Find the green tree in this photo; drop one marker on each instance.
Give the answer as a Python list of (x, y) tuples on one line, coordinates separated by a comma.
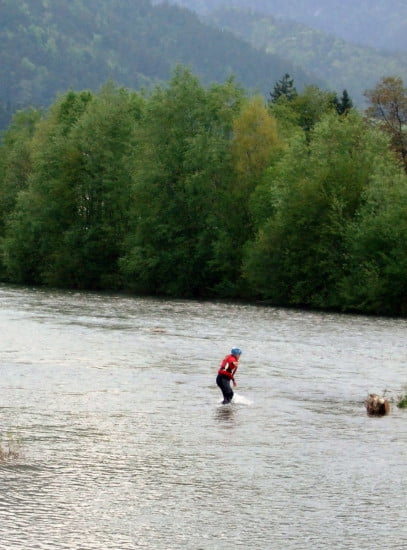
[(70, 223), (316, 189), (344, 104), (97, 177), (181, 188), (284, 87), (16, 160), (304, 110), (311, 105), (375, 278), (43, 206)]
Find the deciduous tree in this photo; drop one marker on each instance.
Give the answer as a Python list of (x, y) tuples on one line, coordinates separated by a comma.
[(16, 159), (70, 222), (254, 140), (375, 274), (45, 204), (182, 188), (317, 189), (388, 107)]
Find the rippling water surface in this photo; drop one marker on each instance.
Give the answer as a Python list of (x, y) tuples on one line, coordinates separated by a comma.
[(112, 404)]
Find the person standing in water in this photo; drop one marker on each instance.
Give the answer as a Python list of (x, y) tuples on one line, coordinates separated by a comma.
[(226, 374)]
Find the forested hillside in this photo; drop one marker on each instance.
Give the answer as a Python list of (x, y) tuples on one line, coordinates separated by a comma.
[(341, 64), (48, 47), (376, 23)]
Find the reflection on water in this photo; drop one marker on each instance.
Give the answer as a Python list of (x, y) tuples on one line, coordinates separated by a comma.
[(226, 413), (125, 443)]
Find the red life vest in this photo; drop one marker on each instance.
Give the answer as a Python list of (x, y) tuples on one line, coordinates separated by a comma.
[(228, 366)]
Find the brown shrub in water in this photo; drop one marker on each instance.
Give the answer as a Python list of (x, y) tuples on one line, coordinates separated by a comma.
[(10, 450), (377, 405)]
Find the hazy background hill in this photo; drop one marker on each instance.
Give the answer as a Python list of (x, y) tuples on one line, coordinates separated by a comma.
[(348, 45), (48, 47), (340, 64), (379, 24)]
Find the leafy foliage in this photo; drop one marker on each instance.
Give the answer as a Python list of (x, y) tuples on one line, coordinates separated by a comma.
[(254, 138), (302, 250), (68, 225), (206, 191), (182, 183), (306, 108), (375, 279), (16, 159)]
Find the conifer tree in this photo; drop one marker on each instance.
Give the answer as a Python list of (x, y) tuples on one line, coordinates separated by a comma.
[(284, 87), (344, 104)]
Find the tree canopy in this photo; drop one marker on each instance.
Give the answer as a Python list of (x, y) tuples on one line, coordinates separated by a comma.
[(192, 190)]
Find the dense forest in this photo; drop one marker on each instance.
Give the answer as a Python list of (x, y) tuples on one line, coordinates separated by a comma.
[(246, 172), (207, 191), (375, 23), (50, 47)]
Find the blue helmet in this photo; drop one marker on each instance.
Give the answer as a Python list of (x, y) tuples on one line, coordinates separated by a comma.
[(236, 351)]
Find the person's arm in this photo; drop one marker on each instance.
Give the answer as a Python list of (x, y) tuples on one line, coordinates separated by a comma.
[(235, 365)]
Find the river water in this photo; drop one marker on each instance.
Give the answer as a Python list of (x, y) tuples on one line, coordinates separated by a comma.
[(111, 404)]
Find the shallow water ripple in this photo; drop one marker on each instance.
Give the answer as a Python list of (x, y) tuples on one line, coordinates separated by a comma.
[(123, 443)]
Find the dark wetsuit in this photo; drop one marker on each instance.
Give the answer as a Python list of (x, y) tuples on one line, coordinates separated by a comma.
[(225, 376)]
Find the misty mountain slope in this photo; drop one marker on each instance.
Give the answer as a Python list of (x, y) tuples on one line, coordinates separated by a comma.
[(380, 24), (48, 47), (341, 64)]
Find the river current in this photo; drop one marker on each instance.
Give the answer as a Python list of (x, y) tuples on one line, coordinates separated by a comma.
[(121, 440)]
